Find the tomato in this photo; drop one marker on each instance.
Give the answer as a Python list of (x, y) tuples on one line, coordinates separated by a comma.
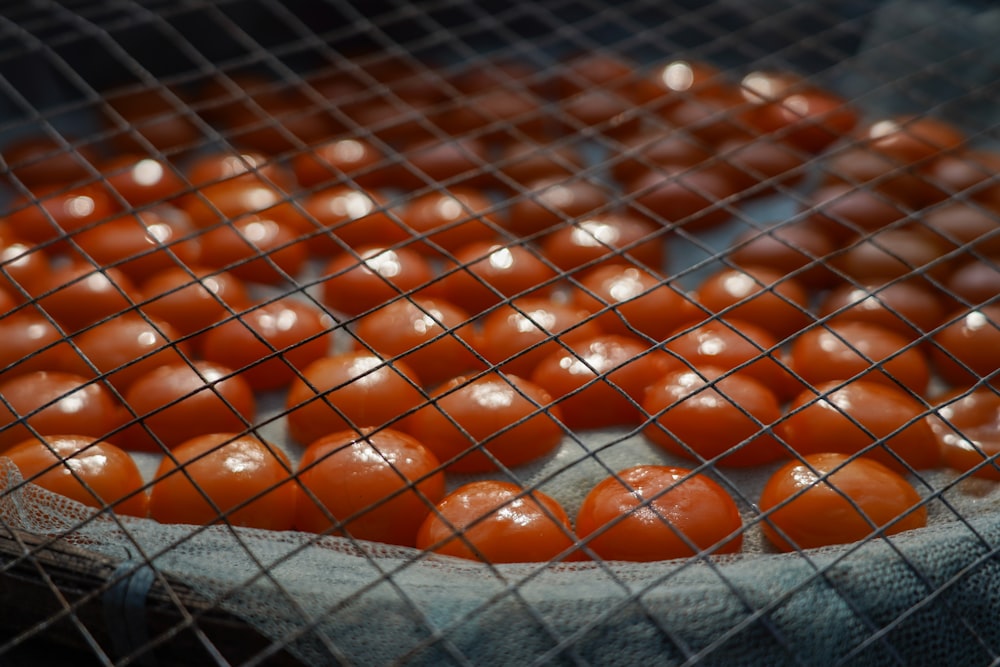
[(649, 150), (603, 111), (829, 498), (89, 471), (141, 244), (598, 382), (518, 335), (350, 391), (487, 422), (907, 308), (23, 267), (177, 402), (31, 342), (271, 342), (223, 477), (41, 160), (708, 414), (605, 239), (215, 204), (154, 116), (860, 167), (53, 215), (633, 301), (911, 139), (499, 522), (756, 166), (680, 197), (965, 226), (525, 162), (246, 166), (651, 513), (552, 201), (124, 348), (497, 115), (347, 216), (193, 298), (450, 220), (52, 403), (842, 211), (586, 71), (455, 161), (78, 295), (967, 426), (758, 295), (881, 422), (735, 345), (486, 273), (256, 249), (377, 485), (710, 119), (796, 249), (356, 282), (967, 172), (974, 283), (681, 80), (968, 347), (848, 350), (888, 254), (141, 180), (339, 160), (432, 336)]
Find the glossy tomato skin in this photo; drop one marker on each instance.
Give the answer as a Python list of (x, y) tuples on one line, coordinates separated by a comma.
[(598, 382), (551, 201), (350, 391), (906, 308), (78, 295), (968, 346), (485, 273), (796, 248), (88, 470), (708, 413), (912, 139), (53, 403), (498, 522), (176, 402), (246, 166), (356, 282), (268, 342), (246, 479), (344, 216), (850, 418), (967, 427), (25, 267), (340, 159), (681, 197), (53, 215), (379, 485), (651, 513), (608, 238), (432, 336), (141, 180), (450, 220), (193, 298), (255, 249), (482, 423), (829, 498), (758, 295), (517, 336), (857, 349), (31, 342), (41, 161)]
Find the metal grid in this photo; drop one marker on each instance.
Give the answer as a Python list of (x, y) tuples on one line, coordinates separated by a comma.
[(64, 64)]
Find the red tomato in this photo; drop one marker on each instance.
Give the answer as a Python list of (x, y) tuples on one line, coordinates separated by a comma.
[(455, 161), (842, 211), (78, 295), (356, 282), (127, 347), (347, 216), (890, 254), (974, 283), (829, 498), (967, 426), (41, 161), (349, 391), (52, 403), (964, 226), (223, 477), (256, 249), (603, 111), (52, 216), (155, 116), (680, 197), (861, 167), (968, 347), (480, 424), (651, 513), (967, 172), (497, 115), (89, 471), (517, 336), (599, 381), (378, 486), (907, 308), (851, 350), (550, 202), (177, 402), (216, 204), (708, 413), (142, 180), (680, 80), (756, 166), (657, 149), (432, 336), (608, 238), (193, 298), (758, 295), (450, 220), (32, 343), (632, 301), (271, 342), (524, 162), (910, 139), (876, 420), (795, 249), (246, 166), (342, 160), (499, 522), (485, 273), (141, 244), (23, 267)]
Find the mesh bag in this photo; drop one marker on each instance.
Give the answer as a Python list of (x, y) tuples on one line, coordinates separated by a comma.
[(269, 81)]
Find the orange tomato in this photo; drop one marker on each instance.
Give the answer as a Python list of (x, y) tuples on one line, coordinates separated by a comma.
[(499, 522), (78, 295), (967, 348), (760, 296), (374, 485), (485, 273), (650, 513), (609, 238), (224, 477), (90, 471), (192, 298), (449, 220), (255, 248), (830, 498), (967, 427), (356, 282)]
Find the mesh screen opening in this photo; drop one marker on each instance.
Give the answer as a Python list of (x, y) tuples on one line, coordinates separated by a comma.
[(444, 140)]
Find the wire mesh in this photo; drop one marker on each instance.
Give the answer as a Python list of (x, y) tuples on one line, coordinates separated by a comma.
[(519, 127)]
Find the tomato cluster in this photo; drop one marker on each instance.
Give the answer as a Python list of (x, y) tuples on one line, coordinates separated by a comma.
[(442, 281)]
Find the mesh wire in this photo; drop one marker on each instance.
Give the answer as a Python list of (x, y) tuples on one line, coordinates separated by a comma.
[(109, 589)]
